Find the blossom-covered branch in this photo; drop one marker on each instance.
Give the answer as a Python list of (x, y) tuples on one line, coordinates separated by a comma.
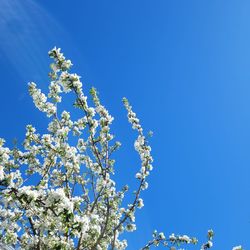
[(57, 190)]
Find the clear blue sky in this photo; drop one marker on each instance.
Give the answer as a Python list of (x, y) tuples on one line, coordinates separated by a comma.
[(185, 67)]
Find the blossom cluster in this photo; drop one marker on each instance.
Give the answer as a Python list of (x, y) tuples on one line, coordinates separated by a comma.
[(57, 190)]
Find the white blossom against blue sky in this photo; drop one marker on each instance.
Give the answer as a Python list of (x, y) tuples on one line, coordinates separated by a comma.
[(184, 65)]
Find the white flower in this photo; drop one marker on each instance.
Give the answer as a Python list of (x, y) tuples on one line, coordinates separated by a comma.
[(210, 243), (172, 237), (237, 248), (185, 238), (130, 227), (162, 236), (140, 203), (138, 176), (1, 173)]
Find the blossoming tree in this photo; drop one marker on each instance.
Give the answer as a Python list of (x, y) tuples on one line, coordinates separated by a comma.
[(74, 203)]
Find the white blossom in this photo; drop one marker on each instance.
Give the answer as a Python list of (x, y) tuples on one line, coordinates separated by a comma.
[(237, 248), (58, 190)]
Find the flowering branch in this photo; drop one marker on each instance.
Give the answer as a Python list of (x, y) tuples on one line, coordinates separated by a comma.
[(75, 203)]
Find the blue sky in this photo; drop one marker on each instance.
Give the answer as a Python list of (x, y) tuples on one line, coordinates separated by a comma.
[(184, 66)]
